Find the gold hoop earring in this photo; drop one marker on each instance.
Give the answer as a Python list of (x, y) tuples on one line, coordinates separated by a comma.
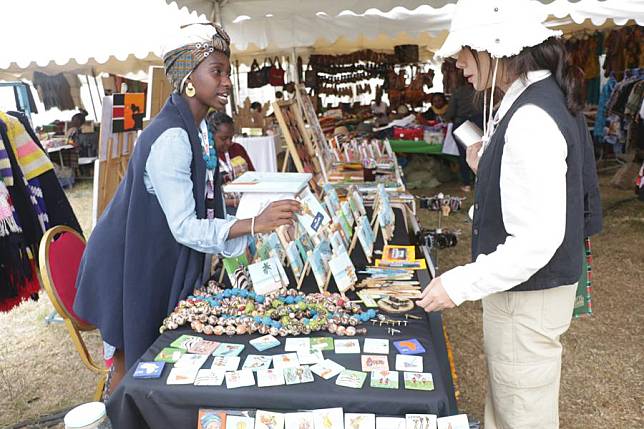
[(190, 90)]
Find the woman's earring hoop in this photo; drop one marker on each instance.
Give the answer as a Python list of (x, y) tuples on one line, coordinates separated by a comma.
[(190, 90)]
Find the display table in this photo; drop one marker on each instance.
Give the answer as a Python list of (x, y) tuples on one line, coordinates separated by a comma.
[(416, 146), (141, 403), (262, 151)]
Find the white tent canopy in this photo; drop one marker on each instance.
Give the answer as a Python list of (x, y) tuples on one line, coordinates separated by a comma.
[(116, 36)]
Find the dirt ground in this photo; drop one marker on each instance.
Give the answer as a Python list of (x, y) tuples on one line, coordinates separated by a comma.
[(602, 385)]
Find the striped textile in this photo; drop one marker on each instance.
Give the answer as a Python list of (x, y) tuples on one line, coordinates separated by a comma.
[(6, 175), (32, 160)]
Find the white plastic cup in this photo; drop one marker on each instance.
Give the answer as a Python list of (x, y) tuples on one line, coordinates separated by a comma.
[(88, 416)]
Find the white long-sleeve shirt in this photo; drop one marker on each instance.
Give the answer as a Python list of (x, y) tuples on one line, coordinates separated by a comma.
[(533, 202)]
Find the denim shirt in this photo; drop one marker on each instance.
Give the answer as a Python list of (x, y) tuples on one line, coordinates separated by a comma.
[(167, 175)]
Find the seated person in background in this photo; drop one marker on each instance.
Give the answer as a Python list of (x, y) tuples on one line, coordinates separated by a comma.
[(257, 115), (233, 158), (402, 111), (75, 125), (380, 110), (256, 107), (438, 108)]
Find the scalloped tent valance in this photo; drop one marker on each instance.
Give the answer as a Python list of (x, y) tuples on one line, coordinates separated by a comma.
[(121, 36)]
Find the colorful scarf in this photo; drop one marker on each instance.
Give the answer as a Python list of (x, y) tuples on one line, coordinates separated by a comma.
[(38, 202), (8, 222), (193, 44), (6, 175), (17, 280), (33, 161)]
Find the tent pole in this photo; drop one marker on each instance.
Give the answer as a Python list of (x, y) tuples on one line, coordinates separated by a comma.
[(91, 97), (216, 12), (296, 78), (98, 90)]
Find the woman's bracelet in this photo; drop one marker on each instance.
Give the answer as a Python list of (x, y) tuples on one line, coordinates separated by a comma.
[(252, 226)]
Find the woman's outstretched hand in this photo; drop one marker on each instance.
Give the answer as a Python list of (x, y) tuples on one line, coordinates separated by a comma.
[(277, 213)]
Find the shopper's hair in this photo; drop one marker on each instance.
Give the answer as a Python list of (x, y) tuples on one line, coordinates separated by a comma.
[(549, 55), (216, 119)]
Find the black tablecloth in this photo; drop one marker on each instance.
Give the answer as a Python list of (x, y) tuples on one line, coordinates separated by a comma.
[(141, 403)]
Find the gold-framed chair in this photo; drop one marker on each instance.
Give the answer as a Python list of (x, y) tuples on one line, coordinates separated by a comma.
[(60, 253)]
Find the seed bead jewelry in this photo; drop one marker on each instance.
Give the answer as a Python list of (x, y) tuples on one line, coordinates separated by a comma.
[(218, 311)]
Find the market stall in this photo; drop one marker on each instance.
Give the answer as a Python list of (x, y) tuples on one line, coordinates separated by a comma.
[(177, 406)]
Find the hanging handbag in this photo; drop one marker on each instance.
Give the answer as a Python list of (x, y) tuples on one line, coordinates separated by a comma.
[(276, 74), (406, 53), (256, 76)]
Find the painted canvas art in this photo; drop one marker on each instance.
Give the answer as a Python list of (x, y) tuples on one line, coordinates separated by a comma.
[(313, 216), (294, 259), (128, 111), (267, 276), (343, 271), (211, 419)]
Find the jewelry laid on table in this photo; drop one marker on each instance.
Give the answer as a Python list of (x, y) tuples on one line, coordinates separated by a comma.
[(217, 311), (412, 316), (392, 331), (391, 304)]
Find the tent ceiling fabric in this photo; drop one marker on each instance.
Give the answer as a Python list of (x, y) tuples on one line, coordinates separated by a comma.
[(257, 27)]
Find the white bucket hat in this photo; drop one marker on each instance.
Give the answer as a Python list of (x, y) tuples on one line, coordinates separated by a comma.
[(500, 27)]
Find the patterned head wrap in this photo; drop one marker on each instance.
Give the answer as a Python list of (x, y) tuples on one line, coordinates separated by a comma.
[(193, 44)]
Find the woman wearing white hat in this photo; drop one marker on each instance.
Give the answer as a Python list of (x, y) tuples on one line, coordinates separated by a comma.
[(536, 199)]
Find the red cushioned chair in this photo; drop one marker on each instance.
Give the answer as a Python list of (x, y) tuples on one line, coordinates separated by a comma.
[(61, 249)]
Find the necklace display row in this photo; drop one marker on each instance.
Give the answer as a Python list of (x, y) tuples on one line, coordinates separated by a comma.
[(214, 310)]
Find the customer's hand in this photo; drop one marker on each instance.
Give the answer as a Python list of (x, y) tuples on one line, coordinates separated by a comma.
[(472, 156), (434, 297), (277, 213)]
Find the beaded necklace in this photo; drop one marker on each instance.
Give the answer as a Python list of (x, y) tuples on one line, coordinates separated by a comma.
[(289, 312)]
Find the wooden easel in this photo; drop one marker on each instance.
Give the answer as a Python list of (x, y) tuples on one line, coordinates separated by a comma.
[(300, 150), (114, 152), (322, 149), (305, 270)]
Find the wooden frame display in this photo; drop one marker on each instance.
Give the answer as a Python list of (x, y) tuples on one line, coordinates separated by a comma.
[(114, 151), (323, 149), (298, 143)]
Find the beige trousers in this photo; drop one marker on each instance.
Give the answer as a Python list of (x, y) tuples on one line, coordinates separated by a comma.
[(521, 333)]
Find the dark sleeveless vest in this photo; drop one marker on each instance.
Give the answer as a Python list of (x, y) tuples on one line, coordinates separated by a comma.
[(583, 209), (133, 271)]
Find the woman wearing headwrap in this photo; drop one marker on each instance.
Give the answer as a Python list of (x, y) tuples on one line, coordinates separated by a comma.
[(149, 249)]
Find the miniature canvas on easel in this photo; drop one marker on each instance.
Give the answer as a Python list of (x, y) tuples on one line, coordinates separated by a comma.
[(319, 261), (346, 211), (356, 203), (343, 271), (274, 244), (294, 259), (313, 215), (331, 198), (267, 276), (386, 218), (365, 236), (337, 242)]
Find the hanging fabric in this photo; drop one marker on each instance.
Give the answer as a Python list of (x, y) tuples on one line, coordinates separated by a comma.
[(31, 200), (54, 91), (59, 211)]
